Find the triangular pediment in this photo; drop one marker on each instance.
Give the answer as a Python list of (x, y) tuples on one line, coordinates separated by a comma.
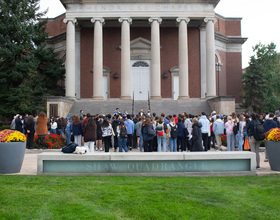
[(140, 43)]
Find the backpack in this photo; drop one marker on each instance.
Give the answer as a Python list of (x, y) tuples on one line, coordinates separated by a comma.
[(174, 131), (160, 129), (123, 132), (235, 129), (259, 131), (70, 148)]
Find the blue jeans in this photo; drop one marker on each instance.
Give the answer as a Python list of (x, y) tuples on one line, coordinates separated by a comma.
[(240, 141), (122, 144), (230, 142), (141, 142), (53, 131), (161, 140), (68, 136), (173, 144)]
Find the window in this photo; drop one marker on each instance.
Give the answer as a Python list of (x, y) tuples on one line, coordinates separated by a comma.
[(140, 64)]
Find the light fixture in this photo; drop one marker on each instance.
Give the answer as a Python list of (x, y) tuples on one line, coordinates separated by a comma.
[(164, 75), (116, 76)]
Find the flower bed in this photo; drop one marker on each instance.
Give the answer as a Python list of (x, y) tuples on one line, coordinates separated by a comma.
[(224, 140), (8, 135), (52, 141), (273, 134)]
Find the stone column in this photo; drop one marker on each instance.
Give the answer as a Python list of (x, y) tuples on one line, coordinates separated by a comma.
[(70, 58), (155, 60), (125, 59), (203, 60), (98, 59), (210, 57), (183, 59)]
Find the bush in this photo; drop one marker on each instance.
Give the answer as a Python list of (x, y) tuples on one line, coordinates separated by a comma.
[(53, 141)]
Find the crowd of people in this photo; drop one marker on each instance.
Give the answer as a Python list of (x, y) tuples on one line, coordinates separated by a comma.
[(150, 132)]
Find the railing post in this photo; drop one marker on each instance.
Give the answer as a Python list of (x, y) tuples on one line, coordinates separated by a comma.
[(133, 104)]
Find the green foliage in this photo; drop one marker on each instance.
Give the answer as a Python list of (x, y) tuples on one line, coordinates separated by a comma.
[(29, 70), (261, 81), (124, 197)]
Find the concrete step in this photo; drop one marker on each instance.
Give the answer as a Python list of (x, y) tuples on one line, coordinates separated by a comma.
[(195, 106)]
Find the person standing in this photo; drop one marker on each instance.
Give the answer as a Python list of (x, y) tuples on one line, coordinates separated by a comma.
[(130, 130), (90, 134), (42, 129), (161, 134), (68, 129), (254, 144), (106, 134), (122, 136), (218, 129), (148, 135), (196, 136), (205, 129), (19, 124), (181, 136), (172, 134), (30, 131), (241, 125), (230, 135), (77, 130)]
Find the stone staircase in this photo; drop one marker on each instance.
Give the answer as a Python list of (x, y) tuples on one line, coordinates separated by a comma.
[(193, 106)]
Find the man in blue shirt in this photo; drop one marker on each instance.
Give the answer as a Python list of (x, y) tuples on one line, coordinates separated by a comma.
[(130, 131)]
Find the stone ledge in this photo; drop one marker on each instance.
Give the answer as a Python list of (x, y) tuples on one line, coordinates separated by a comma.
[(148, 164)]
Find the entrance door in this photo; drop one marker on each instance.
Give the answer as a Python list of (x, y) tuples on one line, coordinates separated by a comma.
[(140, 79), (175, 87), (105, 87)]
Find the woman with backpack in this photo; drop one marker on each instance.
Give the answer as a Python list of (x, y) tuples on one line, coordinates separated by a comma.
[(161, 134), (122, 136), (106, 134), (172, 134)]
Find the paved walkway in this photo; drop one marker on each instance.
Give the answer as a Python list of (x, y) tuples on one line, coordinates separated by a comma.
[(29, 166)]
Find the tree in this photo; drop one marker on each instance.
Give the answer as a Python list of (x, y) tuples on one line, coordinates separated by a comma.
[(29, 71), (261, 80)]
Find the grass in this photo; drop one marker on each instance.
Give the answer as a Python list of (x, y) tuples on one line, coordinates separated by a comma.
[(121, 197)]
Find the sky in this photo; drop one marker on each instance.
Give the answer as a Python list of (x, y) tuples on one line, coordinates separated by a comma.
[(259, 23)]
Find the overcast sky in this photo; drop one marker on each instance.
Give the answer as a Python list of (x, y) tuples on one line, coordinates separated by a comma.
[(259, 24)]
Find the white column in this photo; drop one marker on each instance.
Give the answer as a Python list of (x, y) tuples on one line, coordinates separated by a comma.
[(203, 60), (70, 58), (210, 57), (183, 59), (98, 59), (125, 59), (155, 60)]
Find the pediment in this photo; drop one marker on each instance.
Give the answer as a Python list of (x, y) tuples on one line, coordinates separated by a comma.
[(140, 43)]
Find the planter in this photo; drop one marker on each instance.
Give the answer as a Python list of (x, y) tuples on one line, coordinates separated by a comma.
[(273, 154), (11, 156)]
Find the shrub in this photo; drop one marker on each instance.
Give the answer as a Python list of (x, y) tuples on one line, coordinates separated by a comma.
[(52, 141)]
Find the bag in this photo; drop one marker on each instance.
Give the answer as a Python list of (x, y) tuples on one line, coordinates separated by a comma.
[(174, 131), (123, 132), (80, 150), (70, 148), (160, 130), (246, 145), (186, 132), (235, 129), (151, 132), (259, 131), (112, 130)]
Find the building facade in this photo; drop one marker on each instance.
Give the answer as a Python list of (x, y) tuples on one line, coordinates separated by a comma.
[(157, 49)]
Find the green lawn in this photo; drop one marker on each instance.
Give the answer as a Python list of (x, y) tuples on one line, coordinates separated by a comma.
[(121, 197)]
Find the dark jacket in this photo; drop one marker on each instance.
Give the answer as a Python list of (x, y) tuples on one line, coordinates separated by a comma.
[(115, 124), (90, 132), (268, 124), (180, 130), (251, 128), (30, 127), (18, 125), (99, 130), (196, 137), (77, 129), (147, 133)]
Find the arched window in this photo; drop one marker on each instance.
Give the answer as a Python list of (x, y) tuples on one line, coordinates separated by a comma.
[(140, 64)]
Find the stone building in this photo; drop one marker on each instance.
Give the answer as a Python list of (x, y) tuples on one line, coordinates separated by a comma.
[(175, 51)]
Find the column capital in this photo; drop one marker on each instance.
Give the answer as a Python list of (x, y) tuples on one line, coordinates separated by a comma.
[(66, 20), (129, 20), (159, 20), (206, 20), (101, 20), (187, 20)]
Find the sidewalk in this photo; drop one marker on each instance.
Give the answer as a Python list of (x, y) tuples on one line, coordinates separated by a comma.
[(29, 166)]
